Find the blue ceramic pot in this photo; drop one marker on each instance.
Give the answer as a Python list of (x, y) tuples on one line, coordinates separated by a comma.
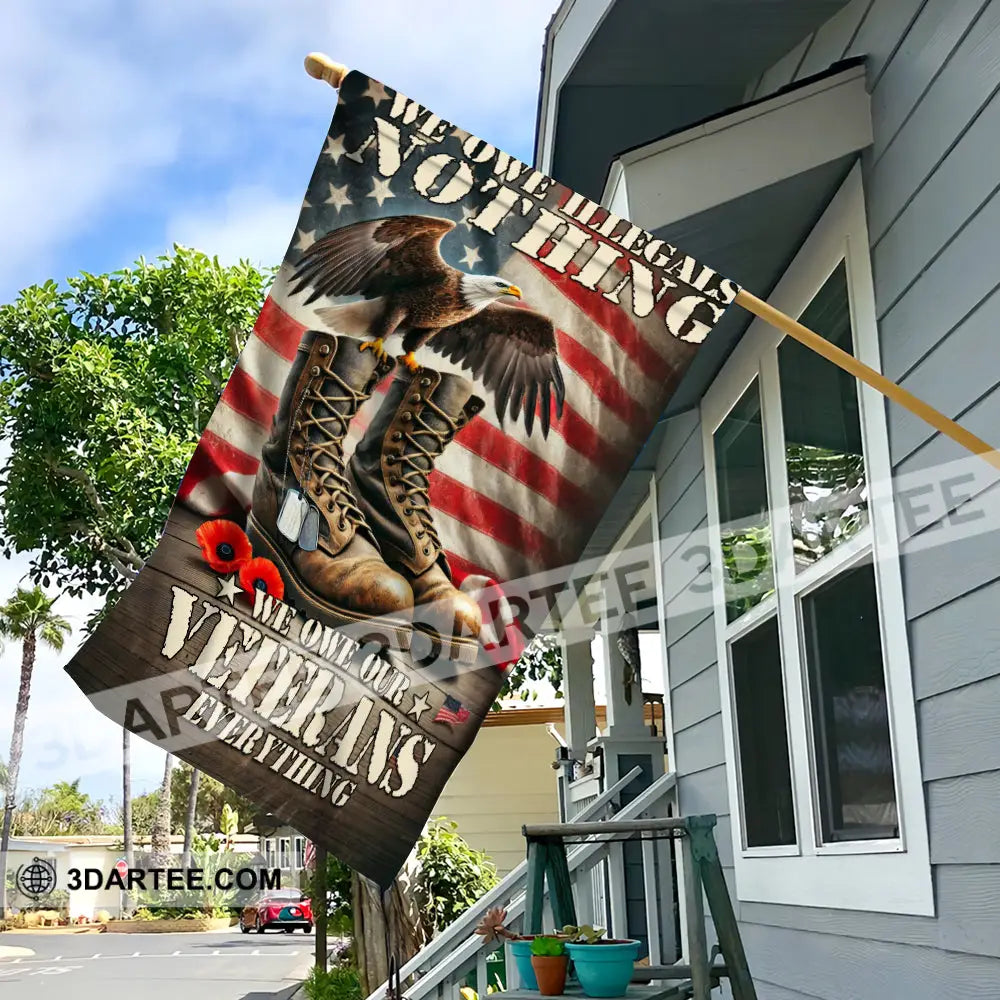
[(521, 950), (604, 970)]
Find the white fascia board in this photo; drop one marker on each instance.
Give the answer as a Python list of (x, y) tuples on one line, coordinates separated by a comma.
[(732, 155), (570, 33), (615, 198)]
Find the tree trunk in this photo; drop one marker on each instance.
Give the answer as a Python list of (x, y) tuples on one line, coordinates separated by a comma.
[(407, 934), (14, 761), (129, 900), (159, 840), (189, 819)]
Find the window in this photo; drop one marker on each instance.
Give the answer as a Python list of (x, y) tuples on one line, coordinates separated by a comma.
[(300, 852), (284, 856), (822, 759), (270, 852)]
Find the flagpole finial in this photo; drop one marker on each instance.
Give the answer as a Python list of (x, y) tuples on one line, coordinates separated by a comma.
[(322, 67)]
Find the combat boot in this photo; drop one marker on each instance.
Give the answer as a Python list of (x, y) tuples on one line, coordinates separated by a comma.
[(304, 517), (421, 413)]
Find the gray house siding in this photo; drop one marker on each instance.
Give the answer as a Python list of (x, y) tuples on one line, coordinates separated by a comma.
[(932, 187)]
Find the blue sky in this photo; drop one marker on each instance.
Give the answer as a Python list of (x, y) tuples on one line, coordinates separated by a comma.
[(128, 125)]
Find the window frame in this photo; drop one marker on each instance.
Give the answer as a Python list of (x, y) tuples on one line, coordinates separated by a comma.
[(879, 875)]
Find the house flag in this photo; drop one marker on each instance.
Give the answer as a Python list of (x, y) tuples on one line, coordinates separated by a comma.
[(456, 366)]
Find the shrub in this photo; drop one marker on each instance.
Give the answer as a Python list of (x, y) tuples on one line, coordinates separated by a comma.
[(453, 876), (338, 983)]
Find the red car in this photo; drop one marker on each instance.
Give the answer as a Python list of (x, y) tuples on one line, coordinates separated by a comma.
[(285, 909)]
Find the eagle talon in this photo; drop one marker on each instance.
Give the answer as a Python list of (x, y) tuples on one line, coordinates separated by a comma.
[(377, 346), (411, 362)]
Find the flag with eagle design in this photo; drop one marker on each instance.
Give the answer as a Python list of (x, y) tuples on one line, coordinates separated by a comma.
[(456, 366)]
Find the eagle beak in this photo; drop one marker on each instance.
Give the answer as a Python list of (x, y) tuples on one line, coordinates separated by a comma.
[(513, 290)]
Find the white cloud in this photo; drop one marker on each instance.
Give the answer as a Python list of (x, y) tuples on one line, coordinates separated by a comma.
[(102, 102), (249, 223), (65, 737)]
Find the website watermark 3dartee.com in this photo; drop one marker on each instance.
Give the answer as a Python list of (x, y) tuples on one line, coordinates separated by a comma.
[(173, 879)]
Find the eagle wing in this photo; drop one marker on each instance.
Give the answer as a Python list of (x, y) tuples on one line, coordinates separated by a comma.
[(513, 351), (374, 258)]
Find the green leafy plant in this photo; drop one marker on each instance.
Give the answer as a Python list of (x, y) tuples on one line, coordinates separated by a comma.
[(338, 983), (583, 935), (452, 875), (548, 946)]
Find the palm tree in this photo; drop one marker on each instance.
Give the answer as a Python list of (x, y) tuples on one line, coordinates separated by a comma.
[(26, 618), (189, 818), (159, 837)]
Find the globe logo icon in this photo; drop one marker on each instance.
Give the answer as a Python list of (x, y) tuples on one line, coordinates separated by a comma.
[(37, 878)]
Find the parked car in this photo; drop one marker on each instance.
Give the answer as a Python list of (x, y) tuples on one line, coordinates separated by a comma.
[(284, 909)]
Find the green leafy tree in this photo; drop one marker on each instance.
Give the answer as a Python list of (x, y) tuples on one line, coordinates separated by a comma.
[(541, 661), (106, 384), (452, 875), (27, 618), (212, 798), (60, 810)]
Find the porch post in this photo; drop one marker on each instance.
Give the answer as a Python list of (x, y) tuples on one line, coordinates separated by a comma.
[(578, 688)]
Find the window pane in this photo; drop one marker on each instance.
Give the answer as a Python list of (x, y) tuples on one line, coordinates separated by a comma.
[(827, 490), (743, 509), (857, 796), (762, 737)]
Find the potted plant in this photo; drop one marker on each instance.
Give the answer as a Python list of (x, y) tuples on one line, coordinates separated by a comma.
[(603, 967), (492, 928), (549, 960)]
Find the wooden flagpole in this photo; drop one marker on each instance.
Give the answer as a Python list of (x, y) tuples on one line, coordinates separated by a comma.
[(324, 68)]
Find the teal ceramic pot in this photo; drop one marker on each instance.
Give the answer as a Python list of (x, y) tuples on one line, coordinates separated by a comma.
[(604, 970), (521, 950)]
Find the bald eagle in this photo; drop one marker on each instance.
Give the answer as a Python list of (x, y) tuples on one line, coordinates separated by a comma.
[(395, 263)]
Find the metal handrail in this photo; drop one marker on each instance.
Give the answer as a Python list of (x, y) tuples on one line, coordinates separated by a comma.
[(511, 890), (459, 931)]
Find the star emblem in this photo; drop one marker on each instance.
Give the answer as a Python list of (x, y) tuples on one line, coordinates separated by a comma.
[(419, 706), (338, 198), (304, 239), (380, 191), (229, 588), (471, 257), (334, 148), (467, 213), (376, 92)]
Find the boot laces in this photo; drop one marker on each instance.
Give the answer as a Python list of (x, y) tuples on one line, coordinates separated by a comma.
[(413, 481), (325, 458)]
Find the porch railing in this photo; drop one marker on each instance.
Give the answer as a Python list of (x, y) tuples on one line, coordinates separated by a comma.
[(444, 964)]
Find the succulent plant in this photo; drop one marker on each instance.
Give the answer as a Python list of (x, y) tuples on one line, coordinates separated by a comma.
[(583, 935), (551, 946), (491, 926)]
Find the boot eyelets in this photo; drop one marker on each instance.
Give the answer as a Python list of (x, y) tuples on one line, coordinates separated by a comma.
[(427, 551), (397, 436), (415, 398), (315, 369), (421, 533), (393, 480), (425, 382), (390, 459), (401, 498), (325, 349), (330, 506)]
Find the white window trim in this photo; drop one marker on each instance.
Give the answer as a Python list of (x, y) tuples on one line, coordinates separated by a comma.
[(881, 876)]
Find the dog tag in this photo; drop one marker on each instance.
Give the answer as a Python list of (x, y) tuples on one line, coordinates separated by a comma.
[(292, 514), (309, 533)]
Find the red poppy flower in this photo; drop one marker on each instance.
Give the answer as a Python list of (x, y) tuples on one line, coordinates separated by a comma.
[(261, 574), (224, 545)]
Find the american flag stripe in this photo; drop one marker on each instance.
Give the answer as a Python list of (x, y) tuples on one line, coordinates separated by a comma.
[(563, 474), (489, 517), (247, 397), (617, 353), (263, 364), (498, 560), (277, 328)]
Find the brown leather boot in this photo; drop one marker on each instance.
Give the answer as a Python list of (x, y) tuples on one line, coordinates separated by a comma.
[(422, 412), (304, 517)]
